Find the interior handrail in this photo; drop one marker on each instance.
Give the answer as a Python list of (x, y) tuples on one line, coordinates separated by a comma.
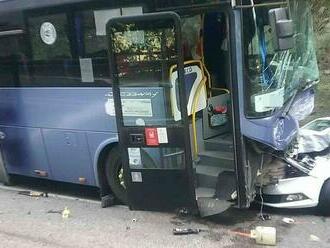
[(220, 90), (194, 106)]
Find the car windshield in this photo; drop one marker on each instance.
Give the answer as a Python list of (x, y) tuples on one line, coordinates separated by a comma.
[(318, 125), (278, 72)]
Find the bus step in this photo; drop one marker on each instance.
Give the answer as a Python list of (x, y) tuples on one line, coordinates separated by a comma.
[(226, 185), (217, 158), (207, 176), (202, 192), (210, 206), (220, 143)]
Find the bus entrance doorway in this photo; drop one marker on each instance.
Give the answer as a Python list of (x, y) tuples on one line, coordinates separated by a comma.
[(174, 127)]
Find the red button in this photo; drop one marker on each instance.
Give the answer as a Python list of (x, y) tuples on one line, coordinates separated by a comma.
[(151, 136), (220, 109)]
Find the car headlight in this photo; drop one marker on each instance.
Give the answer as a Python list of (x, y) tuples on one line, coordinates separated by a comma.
[(295, 197)]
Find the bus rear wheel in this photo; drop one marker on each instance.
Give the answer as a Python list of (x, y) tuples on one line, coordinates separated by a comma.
[(115, 175)]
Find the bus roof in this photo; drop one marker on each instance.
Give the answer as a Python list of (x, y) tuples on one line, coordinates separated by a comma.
[(22, 5)]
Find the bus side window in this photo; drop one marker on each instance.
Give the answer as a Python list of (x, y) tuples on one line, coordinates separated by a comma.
[(12, 60), (51, 61), (92, 40)]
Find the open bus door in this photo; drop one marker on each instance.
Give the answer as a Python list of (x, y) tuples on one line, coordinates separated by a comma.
[(146, 60), (155, 147)]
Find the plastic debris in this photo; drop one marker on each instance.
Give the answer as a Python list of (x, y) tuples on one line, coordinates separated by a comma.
[(107, 201), (264, 235), (234, 195), (186, 231), (134, 220), (264, 217), (183, 212), (66, 213), (314, 238), (33, 193), (243, 234), (288, 220), (176, 223), (54, 212)]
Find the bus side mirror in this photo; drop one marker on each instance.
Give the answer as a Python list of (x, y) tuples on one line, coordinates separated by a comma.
[(282, 29)]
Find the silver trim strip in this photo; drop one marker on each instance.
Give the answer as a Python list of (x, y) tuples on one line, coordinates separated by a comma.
[(11, 32)]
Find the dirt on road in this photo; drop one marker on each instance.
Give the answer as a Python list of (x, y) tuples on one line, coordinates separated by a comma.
[(31, 222)]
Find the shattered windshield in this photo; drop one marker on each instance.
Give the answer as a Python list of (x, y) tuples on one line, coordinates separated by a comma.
[(272, 77)]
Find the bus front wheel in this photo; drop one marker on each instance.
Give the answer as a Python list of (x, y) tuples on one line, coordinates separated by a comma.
[(115, 175)]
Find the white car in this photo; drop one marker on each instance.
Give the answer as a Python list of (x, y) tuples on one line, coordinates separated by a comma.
[(308, 182)]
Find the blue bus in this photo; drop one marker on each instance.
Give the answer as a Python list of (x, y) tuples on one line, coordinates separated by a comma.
[(161, 104)]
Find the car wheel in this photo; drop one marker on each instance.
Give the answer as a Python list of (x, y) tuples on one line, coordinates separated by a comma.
[(324, 199), (115, 175)]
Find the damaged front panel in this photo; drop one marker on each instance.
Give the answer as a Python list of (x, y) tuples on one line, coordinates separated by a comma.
[(279, 89)]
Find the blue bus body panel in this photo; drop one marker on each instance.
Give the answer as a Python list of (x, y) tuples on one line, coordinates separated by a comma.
[(23, 151), (56, 130), (68, 155), (59, 108), (62, 131)]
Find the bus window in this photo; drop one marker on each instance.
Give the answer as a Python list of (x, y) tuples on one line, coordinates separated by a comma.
[(90, 33), (92, 24), (49, 37), (12, 60), (51, 62), (91, 40)]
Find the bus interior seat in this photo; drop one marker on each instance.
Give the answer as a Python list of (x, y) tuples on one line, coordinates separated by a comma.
[(195, 81)]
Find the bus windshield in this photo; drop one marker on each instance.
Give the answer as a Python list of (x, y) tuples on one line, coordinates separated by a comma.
[(277, 72)]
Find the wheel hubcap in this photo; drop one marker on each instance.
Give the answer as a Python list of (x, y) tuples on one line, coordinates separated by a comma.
[(121, 177)]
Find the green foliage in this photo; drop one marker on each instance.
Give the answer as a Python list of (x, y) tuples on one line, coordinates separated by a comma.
[(321, 10)]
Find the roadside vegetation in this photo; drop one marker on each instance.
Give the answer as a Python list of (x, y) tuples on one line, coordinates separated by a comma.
[(321, 11)]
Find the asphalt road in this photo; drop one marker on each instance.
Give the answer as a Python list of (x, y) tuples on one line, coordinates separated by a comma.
[(27, 222)]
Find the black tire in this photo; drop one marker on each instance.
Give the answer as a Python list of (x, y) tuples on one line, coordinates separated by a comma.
[(324, 200), (113, 166)]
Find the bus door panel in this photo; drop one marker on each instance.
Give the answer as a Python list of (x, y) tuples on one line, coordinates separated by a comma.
[(155, 146)]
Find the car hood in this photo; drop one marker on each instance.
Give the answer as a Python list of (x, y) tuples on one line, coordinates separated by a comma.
[(313, 141)]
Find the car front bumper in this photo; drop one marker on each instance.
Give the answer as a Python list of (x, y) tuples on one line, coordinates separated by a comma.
[(280, 195)]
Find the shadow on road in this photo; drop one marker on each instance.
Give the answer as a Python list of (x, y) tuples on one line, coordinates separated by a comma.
[(235, 216), (47, 186), (230, 217)]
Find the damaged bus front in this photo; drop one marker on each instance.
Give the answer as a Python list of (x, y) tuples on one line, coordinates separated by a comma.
[(280, 86)]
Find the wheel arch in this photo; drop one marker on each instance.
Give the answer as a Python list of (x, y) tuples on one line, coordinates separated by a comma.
[(326, 181), (99, 161)]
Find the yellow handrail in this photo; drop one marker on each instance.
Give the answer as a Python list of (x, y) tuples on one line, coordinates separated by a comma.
[(220, 89), (206, 78), (193, 110)]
